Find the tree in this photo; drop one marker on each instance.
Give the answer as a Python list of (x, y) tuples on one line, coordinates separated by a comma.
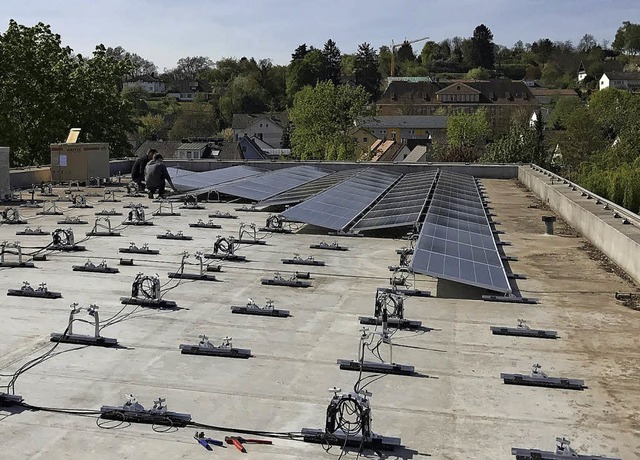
[(523, 143), (332, 70), (190, 68), (321, 119), (243, 95), (139, 65), (587, 43), (479, 73), (542, 49), (563, 109), (45, 90), (300, 52), (627, 38), (483, 52), (194, 119), (366, 70), (405, 53), (384, 61), (304, 72), (466, 135)]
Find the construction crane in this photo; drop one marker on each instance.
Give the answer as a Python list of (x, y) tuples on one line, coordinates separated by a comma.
[(393, 51)]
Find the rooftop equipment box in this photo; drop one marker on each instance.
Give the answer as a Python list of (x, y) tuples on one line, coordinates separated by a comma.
[(81, 162)]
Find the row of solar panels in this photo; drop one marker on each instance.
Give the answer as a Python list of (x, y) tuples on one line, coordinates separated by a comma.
[(342, 200), (456, 241)]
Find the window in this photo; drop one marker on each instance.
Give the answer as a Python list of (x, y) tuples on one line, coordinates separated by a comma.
[(261, 125), (393, 135), (266, 125), (188, 155), (364, 139)]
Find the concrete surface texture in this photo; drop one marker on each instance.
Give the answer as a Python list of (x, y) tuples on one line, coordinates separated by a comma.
[(461, 410)]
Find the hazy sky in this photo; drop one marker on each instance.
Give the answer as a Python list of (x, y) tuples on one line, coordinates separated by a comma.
[(164, 31)]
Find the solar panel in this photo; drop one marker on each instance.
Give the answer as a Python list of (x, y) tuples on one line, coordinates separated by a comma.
[(402, 205), (201, 181), (301, 193), (271, 183), (336, 207), (456, 241)]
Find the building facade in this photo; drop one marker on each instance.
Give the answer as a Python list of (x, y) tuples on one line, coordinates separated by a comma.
[(499, 98), (267, 127), (629, 81), (148, 83)]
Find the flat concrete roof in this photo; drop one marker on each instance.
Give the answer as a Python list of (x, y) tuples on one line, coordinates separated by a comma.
[(462, 410)]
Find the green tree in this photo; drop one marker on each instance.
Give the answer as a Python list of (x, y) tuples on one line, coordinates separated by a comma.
[(523, 143), (366, 70), (321, 118), (45, 90), (405, 53), (139, 65), (483, 47), (243, 95), (466, 136), (582, 139), (304, 72), (563, 108), (384, 61), (627, 38), (478, 73), (194, 119), (331, 68)]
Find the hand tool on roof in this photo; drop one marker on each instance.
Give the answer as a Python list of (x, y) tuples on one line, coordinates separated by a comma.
[(206, 442), (238, 441)]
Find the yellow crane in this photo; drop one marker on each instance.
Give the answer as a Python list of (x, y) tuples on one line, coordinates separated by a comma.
[(393, 51)]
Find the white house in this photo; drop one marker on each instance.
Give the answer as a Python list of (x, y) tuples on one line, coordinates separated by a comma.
[(267, 127), (147, 83), (193, 150), (582, 73), (621, 80)]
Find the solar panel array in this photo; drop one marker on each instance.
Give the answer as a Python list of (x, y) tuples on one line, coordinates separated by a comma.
[(272, 183), (336, 207), (402, 205), (301, 193), (190, 181), (456, 241)]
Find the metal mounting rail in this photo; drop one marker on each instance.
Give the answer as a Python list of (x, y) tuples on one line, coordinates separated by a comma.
[(631, 217)]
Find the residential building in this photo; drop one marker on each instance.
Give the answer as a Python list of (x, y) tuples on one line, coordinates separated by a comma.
[(187, 90), (254, 148), (419, 154), (194, 150), (629, 81), (148, 83), (410, 129), (166, 148), (547, 98), (382, 150), (582, 73), (266, 126), (499, 98), (364, 139)]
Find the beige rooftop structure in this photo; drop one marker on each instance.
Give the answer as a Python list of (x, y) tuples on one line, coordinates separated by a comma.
[(456, 407)]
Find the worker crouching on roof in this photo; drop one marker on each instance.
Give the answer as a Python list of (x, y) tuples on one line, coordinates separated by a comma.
[(155, 175), (138, 169)]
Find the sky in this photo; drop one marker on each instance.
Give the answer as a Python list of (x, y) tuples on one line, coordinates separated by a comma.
[(164, 31)]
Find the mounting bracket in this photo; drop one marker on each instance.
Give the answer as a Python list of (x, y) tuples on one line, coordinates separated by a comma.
[(80, 201), (537, 378), (11, 216), (170, 236), (13, 249), (106, 228), (63, 240), (136, 216), (330, 247), (222, 215), (202, 276), (278, 280), (72, 221), (562, 451), (69, 337), (163, 205), (268, 310), (145, 291), (28, 232), (111, 212), (205, 347), (191, 202), (224, 249), (50, 208), (297, 260), (252, 233), (133, 249), (133, 412), (90, 267), (41, 292), (522, 330), (276, 224), (110, 197), (202, 224)]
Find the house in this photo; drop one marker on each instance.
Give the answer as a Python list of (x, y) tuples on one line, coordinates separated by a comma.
[(419, 154), (383, 150), (410, 129), (195, 150), (363, 139), (500, 98), (267, 127), (582, 73), (166, 148), (254, 148), (187, 90), (148, 83), (629, 81), (547, 98)]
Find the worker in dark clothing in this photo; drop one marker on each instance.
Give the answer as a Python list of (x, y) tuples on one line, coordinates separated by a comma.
[(155, 175), (137, 171)]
